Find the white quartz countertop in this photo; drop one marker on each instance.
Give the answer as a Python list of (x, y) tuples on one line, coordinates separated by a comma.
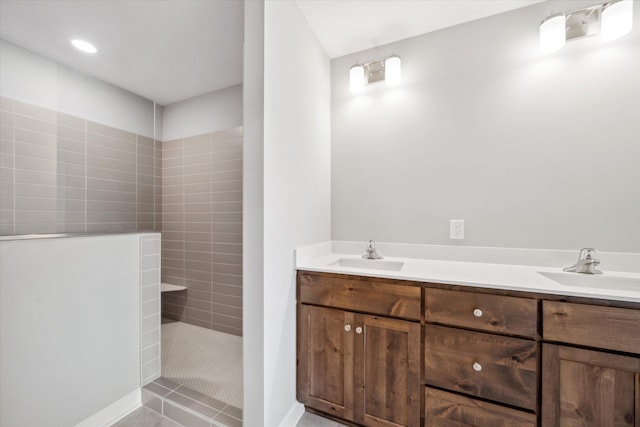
[(524, 278)]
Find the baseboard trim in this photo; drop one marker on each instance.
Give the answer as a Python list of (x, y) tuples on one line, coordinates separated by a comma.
[(114, 412), (293, 416)]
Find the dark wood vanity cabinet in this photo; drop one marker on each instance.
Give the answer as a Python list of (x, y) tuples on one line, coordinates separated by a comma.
[(378, 352), (360, 367)]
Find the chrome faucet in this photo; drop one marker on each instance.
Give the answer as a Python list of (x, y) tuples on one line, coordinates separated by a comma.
[(371, 251), (586, 263)]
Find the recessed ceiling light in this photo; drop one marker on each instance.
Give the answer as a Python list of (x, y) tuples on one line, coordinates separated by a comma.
[(84, 46)]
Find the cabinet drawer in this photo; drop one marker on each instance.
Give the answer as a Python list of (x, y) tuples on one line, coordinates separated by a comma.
[(498, 368), (492, 313), (444, 409), (592, 325), (366, 296)]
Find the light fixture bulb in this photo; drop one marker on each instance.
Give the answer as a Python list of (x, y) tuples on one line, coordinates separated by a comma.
[(392, 70), (617, 19), (84, 46), (552, 33), (356, 78)]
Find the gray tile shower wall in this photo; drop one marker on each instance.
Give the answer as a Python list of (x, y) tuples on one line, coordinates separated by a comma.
[(150, 341), (64, 174), (202, 229)]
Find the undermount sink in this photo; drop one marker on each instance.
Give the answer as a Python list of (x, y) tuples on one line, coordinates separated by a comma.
[(598, 281), (370, 264)]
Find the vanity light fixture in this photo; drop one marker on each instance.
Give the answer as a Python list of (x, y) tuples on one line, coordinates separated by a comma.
[(388, 70), (84, 46), (617, 19), (612, 20)]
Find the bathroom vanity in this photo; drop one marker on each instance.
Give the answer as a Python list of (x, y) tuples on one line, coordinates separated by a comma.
[(383, 351)]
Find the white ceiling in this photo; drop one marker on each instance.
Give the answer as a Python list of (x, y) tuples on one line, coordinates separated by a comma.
[(165, 50), (170, 50), (348, 26)]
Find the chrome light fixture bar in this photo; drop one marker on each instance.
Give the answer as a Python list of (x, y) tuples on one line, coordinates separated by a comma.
[(612, 20), (388, 70)]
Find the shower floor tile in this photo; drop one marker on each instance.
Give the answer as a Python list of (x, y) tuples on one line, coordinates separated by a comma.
[(205, 361)]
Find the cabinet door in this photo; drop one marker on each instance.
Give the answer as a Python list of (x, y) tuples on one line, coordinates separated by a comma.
[(325, 360), (589, 388), (387, 372)]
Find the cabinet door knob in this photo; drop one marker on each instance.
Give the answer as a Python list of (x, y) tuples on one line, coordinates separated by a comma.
[(477, 312), (347, 328), (358, 330), (477, 367)]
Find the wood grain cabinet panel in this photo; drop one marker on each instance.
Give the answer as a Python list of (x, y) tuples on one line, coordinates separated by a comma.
[(387, 372), (444, 409), (367, 295), (589, 388), (325, 360), (491, 313), (609, 328), (494, 367)]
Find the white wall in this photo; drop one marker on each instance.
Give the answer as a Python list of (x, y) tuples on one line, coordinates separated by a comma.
[(296, 185), (211, 112), (538, 151), (69, 343), (31, 78), (252, 215)]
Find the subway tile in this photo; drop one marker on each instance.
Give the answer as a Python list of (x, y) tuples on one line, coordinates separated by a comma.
[(197, 256), (227, 144), (150, 292), (110, 174), (35, 111), (227, 290), (227, 237), (71, 145), (109, 152), (70, 133), (110, 227), (35, 125), (7, 146), (172, 263), (202, 187), (172, 244), (201, 169), (202, 295), (150, 369), (149, 262), (48, 226), (200, 305), (197, 177), (149, 308), (222, 258), (71, 121), (7, 104), (173, 199), (176, 298), (227, 329), (168, 181), (144, 169), (150, 323), (6, 161), (202, 398), (234, 322), (150, 246), (199, 198), (203, 139), (167, 383), (227, 227), (6, 118), (227, 186), (198, 216), (145, 146), (172, 311), (201, 284), (194, 405), (151, 401), (228, 196), (120, 165), (233, 411), (197, 236), (227, 300), (227, 248), (224, 176), (111, 196), (146, 180), (227, 310), (173, 316), (101, 129), (227, 207), (149, 338), (198, 322), (228, 269), (35, 151), (191, 265), (228, 420), (36, 164), (183, 417), (102, 184), (6, 132), (150, 353), (111, 206), (235, 154), (227, 217), (127, 149), (97, 217)]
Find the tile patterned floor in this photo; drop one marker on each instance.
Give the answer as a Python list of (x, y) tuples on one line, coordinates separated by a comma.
[(145, 417), (189, 407)]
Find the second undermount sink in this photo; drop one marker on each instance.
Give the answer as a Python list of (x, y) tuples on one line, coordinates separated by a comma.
[(599, 281), (369, 264)]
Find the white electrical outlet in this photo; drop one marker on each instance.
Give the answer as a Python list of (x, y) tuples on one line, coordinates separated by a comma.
[(456, 229)]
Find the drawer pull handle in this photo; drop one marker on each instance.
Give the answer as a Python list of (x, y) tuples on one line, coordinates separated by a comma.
[(347, 328), (477, 367), (477, 312), (358, 330)]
